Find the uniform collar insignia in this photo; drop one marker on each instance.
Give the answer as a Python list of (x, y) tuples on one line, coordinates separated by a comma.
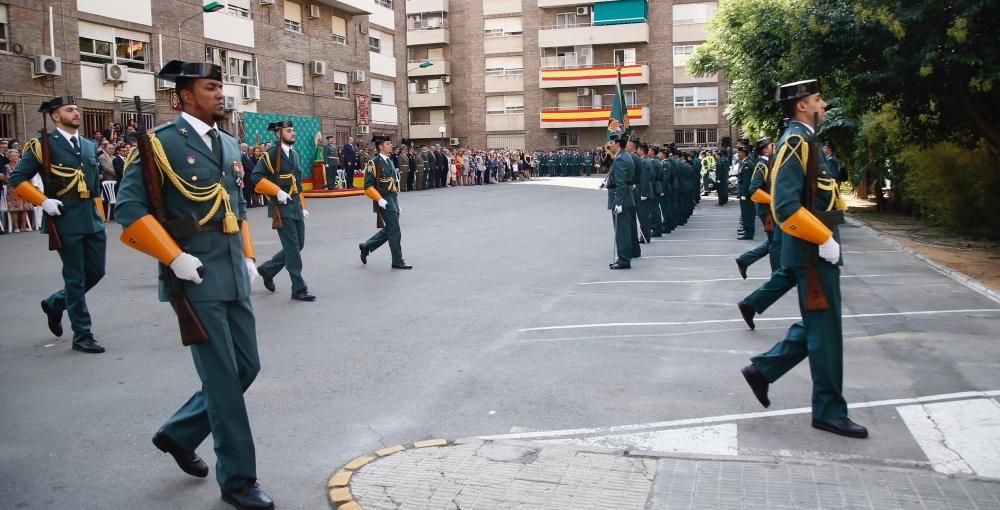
[(184, 131), (190, 159)]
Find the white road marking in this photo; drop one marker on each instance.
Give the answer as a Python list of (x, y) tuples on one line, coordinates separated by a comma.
[(736, 417), (958, 437), (711, 440), (739, 279), (738, 254), (758, 319)]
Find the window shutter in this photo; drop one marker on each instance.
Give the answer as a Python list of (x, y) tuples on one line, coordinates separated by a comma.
[(494, 104), (339, 26), (96, 32), (294, 72), (3, 14), (340, 77), (293, 12)]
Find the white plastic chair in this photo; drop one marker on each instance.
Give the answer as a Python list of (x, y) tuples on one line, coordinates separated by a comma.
[(109, 197), (4, 213)]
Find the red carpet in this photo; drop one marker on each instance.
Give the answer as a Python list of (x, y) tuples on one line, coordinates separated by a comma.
[(332, 193)]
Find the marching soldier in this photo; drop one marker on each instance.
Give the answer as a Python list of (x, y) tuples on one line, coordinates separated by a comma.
[(72, 180), (382, 185), (807, 207), (746, 206), (201, 176), (332, 159), (620, 200), (282, 181), (763, 150)]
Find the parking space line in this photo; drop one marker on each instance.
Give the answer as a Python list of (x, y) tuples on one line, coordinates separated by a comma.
[(739, 279)]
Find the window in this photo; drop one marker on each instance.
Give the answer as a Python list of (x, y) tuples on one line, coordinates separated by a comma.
[(694, 13), (340, 84), (686, 97), (294, 73), (8, 119), (624, 56), (502, 27), (293, 17), (383, 92), (241, 12), (94, 121), (682, 54), (505, 104), (696, 136), (374, 44), (569, 139), (566, 20), (431, 86), (147, 119), (384, 3), (339, 30), (236, 67), (427, 21), (128, 48), (494, 104), (4, 36), (505, 66)]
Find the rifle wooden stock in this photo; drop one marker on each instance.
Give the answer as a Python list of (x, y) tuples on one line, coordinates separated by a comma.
[(192, 330), (379, 219), (276, 222), (55, 241), (815, 295)]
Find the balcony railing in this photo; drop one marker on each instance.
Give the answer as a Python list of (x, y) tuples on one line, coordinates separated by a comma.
[(555, 63)]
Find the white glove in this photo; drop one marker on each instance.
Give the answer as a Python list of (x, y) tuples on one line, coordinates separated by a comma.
[(252, 269), (830, 250), (643, 198), (51, 206), (743, 198), (382, 203), (185, 266), (618, 209), (282, 197), (305, 214)]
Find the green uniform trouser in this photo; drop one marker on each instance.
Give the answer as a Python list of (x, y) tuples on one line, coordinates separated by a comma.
[(226, 364), (666, 209), (632, 217), (655, 219), (331, 176), (293, 238), (818, 336), (644, 210), (747, 215), (781, 280), (764, 249), (82, 267), (390, 233), (623, 241)]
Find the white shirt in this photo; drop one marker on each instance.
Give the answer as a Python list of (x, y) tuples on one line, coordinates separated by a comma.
[(70, 137), (201, 128), (285, 148)]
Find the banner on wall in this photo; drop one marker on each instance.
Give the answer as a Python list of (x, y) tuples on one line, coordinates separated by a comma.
[(363, 107)]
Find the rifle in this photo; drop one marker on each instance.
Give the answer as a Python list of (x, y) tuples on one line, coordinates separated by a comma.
[(379, 219), (276, 222), (55, 241), (192, 330), (815, 295)]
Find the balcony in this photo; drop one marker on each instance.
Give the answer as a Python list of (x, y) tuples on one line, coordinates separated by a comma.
[(352, 7), (504, 44), (434, 98), (418, 6), (383, 17), (424, 130), (423, 36), (585, 34), (696, 116), (441, 66), (504, 83), (504, 122), (575, 117), (382, 64), (681, 77), (692, 31), (590, 76)]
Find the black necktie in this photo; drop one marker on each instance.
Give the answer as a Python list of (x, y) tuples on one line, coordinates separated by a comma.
[(76, 145), (216, 145)]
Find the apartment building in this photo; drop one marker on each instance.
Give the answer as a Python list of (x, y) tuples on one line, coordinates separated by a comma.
[(332, 65), (540, 74)]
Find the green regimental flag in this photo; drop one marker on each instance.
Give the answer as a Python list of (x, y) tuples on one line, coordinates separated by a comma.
[(618, 122)]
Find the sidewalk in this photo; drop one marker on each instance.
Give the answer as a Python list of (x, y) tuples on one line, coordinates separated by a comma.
[(475, 474)]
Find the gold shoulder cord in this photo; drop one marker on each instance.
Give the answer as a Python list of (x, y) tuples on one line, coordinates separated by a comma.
[(76, 175), (198, 194), (294, 190), (779, 160)]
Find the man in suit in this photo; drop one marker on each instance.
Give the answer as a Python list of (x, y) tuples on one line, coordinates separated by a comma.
[(441, 166), (620, 200), (119, 163), (811, 251), (382, 186), (104, 158), (201, 160), (331, 160), (76, 208), (247, 162), (350, 161), (284, 183)]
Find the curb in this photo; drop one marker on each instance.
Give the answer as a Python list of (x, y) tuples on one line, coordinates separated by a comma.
[(338, 487), (956, 275)]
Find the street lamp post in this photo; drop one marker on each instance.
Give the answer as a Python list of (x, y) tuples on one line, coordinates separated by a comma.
[(442, 130), (207, 8)]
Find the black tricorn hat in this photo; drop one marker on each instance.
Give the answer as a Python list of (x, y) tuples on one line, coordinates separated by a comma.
[(617, 138), (763, 142), (797, 90), (55, 103), (378, 139), (743, 148), (180, 70), (282, 124)]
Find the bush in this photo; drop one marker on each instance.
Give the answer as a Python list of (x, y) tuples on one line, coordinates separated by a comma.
[(954, 187)]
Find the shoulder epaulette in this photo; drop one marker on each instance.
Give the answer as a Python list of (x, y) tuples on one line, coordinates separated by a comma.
[(154, 129)]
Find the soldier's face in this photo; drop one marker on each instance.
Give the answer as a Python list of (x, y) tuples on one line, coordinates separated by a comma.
[(287, 135), (67, 116), (814, 107), (204, 100)]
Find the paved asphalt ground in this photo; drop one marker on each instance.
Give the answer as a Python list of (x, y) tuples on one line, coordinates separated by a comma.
[(469, 351)]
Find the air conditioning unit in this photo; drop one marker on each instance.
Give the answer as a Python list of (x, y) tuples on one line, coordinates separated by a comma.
[(162, 84), (251, 92), (46, 65), (583, 92), (266, 2), (317, 68), (583, 11), (446, 79), (357, 76), (313, 11), (229, 104), (361, 130), (116, 73), (453, 141)]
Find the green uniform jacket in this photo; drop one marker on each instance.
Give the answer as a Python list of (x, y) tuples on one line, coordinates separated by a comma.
[(81, 215), (757, 182), (655, 175), (291, 174), (388, 187), (331, 156), (666, 177), (646, 186), (622, 171), (226, 277), (787, 182), (743, 180)]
